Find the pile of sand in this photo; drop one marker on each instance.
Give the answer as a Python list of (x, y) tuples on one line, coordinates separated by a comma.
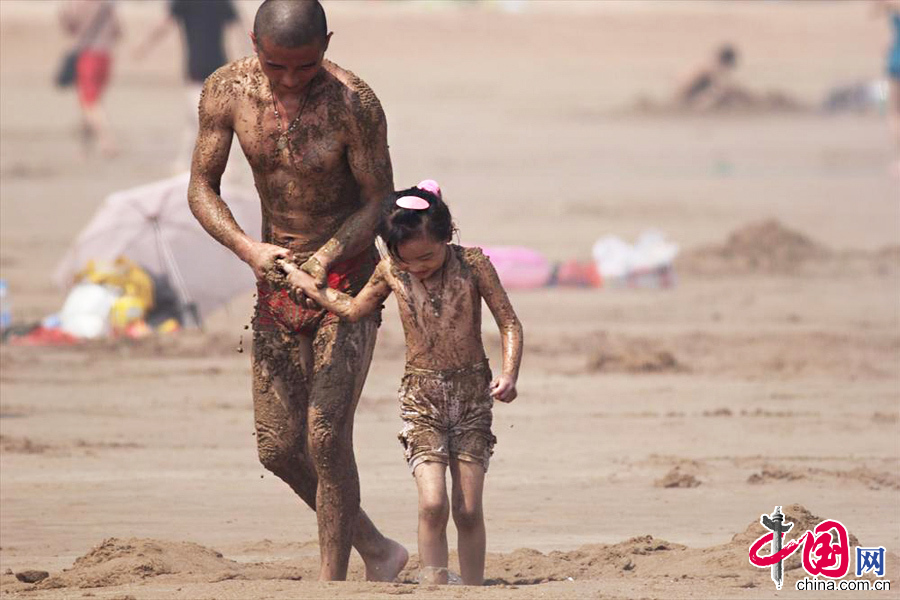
[(770, 248), (764, 247), (770, 474), (650, 557), (122, 562), (622, 354), (21, 445), (872, 479), (593, 561), (676, 478)]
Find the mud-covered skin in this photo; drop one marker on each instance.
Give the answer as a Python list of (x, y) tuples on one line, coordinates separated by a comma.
[(312, 192), (452, 339), (304, 398), (321, 196), (441, 317), (444, 338)]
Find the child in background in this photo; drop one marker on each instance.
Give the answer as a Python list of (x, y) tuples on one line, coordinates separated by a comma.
[(447, 394)]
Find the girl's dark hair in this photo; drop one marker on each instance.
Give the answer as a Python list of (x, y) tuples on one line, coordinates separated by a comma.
[(400, 224)]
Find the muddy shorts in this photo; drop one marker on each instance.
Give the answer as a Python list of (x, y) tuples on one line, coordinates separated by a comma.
[(275, 310), (447, 414)]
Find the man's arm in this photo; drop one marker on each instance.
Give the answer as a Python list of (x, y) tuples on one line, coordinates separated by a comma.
[(370, 163), (208, 165)]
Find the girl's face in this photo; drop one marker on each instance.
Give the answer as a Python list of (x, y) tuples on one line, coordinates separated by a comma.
[(422, 256)]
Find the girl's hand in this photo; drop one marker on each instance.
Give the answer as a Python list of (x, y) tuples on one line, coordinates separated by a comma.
[(503, 388), (316, 270), (300, 279)]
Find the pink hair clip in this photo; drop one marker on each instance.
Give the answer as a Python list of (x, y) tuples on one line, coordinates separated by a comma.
[(430, 185), (412, 203), (416, 203)]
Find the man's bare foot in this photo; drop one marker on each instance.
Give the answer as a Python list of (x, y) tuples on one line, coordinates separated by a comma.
[(388, 565)]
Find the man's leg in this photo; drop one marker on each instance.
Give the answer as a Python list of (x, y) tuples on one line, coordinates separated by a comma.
[(342, 352), (280, 406)]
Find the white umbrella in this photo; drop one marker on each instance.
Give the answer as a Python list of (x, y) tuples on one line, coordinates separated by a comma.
[(153, 226)]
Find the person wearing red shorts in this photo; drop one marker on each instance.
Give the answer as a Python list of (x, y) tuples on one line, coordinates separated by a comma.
[(96, 29)]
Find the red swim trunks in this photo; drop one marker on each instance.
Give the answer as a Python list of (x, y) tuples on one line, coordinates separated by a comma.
[(92, 72), (276, 310)]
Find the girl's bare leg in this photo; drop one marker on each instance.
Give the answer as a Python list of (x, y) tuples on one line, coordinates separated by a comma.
[(468, 514), (434, 511)]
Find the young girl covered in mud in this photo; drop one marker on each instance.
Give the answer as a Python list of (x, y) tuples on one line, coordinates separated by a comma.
[(447, 394)]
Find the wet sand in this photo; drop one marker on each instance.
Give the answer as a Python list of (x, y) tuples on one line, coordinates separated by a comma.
[(652, 428)]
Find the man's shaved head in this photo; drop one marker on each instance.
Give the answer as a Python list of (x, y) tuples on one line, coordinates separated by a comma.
[(290, 23)]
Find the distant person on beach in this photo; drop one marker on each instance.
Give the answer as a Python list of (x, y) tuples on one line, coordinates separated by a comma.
[(707, 84), (447, 393), (315, 136), (891, 9), (204, 26), (95, 27)]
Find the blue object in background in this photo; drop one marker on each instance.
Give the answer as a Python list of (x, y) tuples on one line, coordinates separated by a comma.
[(5, 306)]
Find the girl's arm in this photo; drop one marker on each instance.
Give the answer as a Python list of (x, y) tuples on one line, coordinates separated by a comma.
[(347, 307), (504, 387)]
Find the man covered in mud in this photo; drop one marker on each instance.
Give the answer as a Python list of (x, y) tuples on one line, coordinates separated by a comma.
[(316, 139)]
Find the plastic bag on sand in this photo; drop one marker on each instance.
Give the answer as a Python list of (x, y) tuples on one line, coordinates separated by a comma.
[(617, 259), (85, 313)]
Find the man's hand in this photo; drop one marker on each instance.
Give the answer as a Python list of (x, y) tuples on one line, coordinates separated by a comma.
[(503, 388), (316, 270), (262, 257)]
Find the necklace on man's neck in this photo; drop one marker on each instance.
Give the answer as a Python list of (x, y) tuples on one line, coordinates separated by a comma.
[(284, 137)]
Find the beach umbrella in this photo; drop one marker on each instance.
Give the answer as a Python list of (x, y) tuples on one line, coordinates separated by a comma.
[(153, 226)]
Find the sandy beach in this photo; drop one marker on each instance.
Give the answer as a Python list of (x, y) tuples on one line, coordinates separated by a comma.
[(653, 426)]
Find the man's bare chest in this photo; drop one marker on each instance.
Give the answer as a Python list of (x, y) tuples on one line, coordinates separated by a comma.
[(313, 143)]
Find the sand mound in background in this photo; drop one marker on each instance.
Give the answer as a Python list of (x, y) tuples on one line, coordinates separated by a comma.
[(121, 562), (21, 445), (620, 354), (872, 479), (762, 247), (771, 474), (770, 248), (676, 478)]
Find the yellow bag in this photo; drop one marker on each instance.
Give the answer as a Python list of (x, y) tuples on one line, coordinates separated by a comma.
[(124, 274), (125, 311)]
